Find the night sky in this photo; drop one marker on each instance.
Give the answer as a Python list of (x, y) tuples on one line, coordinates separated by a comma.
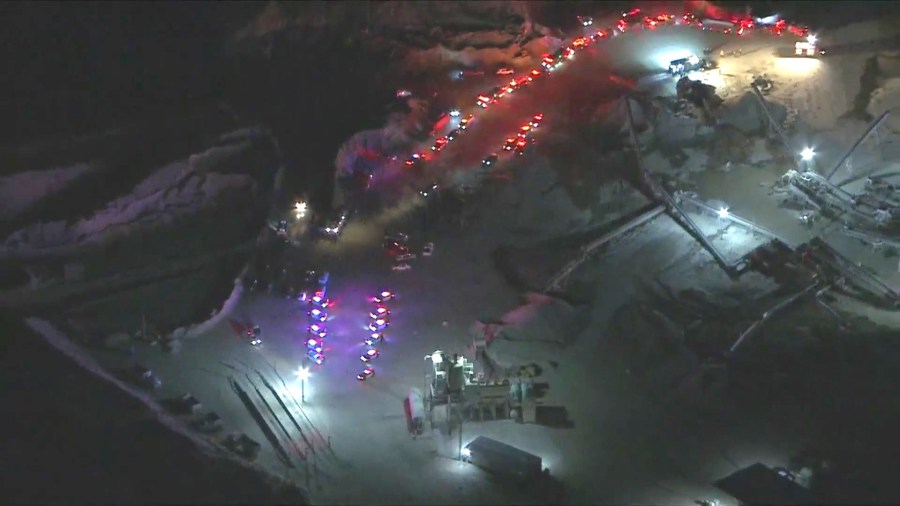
[(80, 66)]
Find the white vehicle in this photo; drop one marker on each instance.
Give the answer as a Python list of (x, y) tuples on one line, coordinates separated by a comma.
[(683, 66), (403, 93), (428, 249), (585, 20), (717, 25), (401, 267), (405, 257), (767, 20), (454, 113), (806, 49), (428, 191)]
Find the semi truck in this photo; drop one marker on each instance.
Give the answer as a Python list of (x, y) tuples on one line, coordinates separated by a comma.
[(502, 460)]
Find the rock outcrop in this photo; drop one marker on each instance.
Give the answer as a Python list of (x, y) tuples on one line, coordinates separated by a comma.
[(119, 222)]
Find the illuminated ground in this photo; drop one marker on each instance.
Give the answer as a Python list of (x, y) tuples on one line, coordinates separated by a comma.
[(628, 445)]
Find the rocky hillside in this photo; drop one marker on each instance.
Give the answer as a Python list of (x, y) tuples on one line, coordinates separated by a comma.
[(94, 224), (157, 207)]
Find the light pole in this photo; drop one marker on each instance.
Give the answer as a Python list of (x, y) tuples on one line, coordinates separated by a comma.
[(425, 382), (303, 373), (459, 448)]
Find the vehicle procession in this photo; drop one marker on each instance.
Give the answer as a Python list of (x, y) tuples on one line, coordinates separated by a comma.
[(314, 296), (345, 325)]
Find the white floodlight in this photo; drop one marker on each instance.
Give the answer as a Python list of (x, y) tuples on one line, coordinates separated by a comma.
[(300, 209), (466, 452), (437, 357), (723, 212), (811, 39), (302, 373), (807, 154), (693, 59)]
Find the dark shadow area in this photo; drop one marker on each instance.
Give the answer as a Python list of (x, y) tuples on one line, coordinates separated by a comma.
[(556, 417), (76, 439), (315, 91), (868, 81)]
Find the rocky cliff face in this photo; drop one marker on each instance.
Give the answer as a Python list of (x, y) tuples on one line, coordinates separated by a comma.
[(162, 216)]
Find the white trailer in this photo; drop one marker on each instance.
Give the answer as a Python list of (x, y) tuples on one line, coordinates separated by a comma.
[(502, 460)]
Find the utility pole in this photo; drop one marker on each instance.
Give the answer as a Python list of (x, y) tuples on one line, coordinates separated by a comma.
[(425, 394), (459, 447)]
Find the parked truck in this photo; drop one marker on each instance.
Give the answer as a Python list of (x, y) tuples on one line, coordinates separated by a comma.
[(502, 460)]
